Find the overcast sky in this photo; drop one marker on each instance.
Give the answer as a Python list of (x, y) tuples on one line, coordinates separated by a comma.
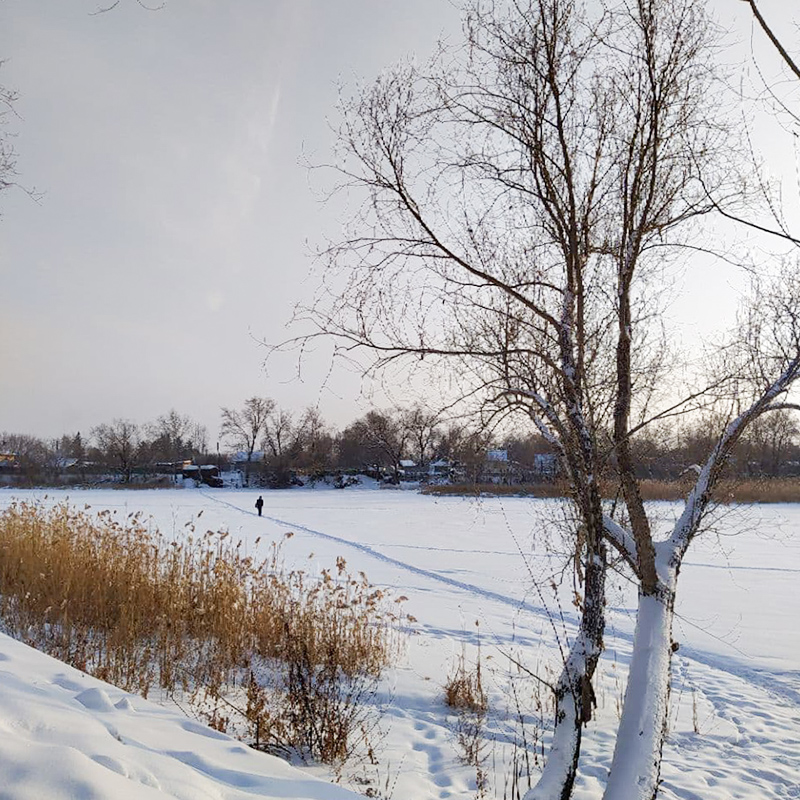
[(173, 225)]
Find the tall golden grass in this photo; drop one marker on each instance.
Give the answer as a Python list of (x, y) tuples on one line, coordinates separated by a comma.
[(279, 656)]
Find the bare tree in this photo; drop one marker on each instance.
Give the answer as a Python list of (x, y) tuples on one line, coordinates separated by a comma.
[(279, 432), (385, 438), (31, 454), (768, 364), (468, 448), (315, 440), (769, 444), (422, 427), (523, 198), (243, 427), (282, 442), (117, 442), (177, 436)]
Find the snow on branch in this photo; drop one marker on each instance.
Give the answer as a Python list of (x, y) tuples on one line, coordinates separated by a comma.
[(546, 411), (697, 502), (620, 539)]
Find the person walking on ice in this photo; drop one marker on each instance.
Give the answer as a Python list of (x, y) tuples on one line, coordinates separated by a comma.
[(260, 504)]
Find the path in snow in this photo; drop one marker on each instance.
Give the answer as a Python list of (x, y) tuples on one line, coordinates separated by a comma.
[(470, 588), (781, 689)]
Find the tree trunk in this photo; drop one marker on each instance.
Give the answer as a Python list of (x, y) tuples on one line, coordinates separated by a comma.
[(574, 695), (558, 775), (636, 766)]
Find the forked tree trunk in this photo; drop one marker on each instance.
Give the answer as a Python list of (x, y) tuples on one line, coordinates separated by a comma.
[(636, 766)]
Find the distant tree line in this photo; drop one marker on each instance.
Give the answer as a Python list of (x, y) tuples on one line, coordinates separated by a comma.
[(121, 448), (275, 442), (271, 445)]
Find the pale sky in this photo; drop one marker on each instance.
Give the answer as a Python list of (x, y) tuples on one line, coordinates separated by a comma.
[(175, 216)]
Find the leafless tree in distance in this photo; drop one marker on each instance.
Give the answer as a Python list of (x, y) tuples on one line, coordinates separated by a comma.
[(243, 427), (118, 441)]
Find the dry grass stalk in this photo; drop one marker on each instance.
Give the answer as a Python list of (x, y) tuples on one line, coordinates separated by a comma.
[(465, 694), (288, 660), (463, 689)]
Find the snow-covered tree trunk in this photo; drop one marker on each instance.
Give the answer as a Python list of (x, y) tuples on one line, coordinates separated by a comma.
[(636, 765), (558, 776), (574, 697)]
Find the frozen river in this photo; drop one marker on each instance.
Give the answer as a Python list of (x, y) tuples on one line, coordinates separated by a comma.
[(495, 561)]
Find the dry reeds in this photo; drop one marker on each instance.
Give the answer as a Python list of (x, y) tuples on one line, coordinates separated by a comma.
[(745, 490), (464, 693), (463, 689), (729, 490), (495, 490), (275, 655)]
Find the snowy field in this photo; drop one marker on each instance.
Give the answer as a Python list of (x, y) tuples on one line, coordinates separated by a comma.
[(735, 716)]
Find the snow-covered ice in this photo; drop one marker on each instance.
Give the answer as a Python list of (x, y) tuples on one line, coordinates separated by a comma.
[(735, 713)]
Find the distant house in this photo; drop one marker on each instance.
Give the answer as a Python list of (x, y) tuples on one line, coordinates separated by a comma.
[(410, 470), (440, 470), (63, 463), (9, 467), (205, 473), (239, 459), (191, 471), (498, 469), (545, 466), (209, 475), (9, 462)]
